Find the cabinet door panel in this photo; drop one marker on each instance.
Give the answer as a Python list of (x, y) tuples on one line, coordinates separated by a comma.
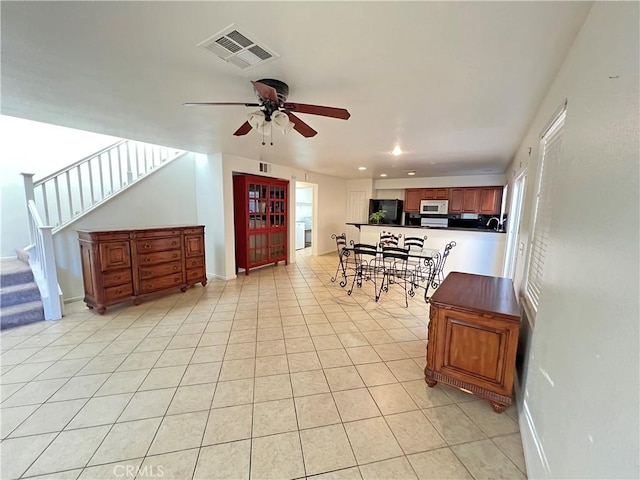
[(412, 197), (470, 200), (114, 255), (193, 245), (476, 350), (490, 200), (456, 200)]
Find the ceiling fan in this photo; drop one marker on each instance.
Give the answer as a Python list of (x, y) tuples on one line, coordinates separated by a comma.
[(272, 100)]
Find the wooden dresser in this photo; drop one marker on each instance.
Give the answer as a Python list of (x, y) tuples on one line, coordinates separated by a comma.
[(474, 322), (122, 265)]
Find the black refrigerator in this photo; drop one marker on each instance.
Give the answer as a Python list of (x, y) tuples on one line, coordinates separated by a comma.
[(392, 209)]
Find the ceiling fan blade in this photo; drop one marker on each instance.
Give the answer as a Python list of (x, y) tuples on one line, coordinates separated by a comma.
[(243, 130), (198, 104), (301, 127), (266, 92), (332, 112)]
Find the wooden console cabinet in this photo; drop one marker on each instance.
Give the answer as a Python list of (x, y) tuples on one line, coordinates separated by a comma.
[(474, 322), (123, 265)]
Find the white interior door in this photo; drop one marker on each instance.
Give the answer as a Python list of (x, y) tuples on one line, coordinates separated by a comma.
[(357, 211), (513, 226)]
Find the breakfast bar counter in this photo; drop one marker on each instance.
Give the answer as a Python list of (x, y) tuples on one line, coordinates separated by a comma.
[(477, 251)]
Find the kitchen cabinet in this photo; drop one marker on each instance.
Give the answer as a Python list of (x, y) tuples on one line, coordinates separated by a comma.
[(470, 200), (261, 220), (472, 336), (456, 200), (122, 265), (412, 197), (481, 200), (436, 194), (489, 200)]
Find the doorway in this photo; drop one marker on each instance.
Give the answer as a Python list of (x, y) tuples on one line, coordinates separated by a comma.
[(514, 249), (305, 224)]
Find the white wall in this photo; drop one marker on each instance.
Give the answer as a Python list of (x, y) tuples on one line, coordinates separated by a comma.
[(331, 200), (165, 197), (41, 149), (581, 400)]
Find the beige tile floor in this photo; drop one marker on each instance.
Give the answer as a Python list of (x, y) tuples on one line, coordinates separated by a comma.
[(279, 374)]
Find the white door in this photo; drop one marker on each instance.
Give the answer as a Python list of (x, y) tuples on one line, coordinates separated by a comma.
[(513, 227), (357, 212)]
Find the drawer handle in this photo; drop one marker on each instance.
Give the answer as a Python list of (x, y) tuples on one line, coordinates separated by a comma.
[(118, 291), (174, 243), (175, 255), (117, 278), (193, 264), (146, 245), (147, 260), (175, 269), (176, 280)]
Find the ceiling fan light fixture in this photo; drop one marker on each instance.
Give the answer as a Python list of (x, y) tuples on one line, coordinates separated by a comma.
[(281, 121), (396, 150)]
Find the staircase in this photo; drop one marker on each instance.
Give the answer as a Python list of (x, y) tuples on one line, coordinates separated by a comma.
[(20, 302)]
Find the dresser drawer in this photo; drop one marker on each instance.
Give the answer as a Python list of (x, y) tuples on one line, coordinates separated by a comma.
[(195, 274), (117, 277), (195, 262), (160, 270), (160, 283), (157, 244), (159, 257), (115, 293)]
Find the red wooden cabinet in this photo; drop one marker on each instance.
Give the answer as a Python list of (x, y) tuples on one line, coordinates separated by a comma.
[(261, 221)]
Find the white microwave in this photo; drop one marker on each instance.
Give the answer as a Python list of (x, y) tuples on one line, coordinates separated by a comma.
[(434, 207)]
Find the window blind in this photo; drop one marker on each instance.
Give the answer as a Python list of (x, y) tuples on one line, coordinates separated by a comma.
[(551, 144)]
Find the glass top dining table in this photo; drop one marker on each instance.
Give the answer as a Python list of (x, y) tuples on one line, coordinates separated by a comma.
[(420, 266)]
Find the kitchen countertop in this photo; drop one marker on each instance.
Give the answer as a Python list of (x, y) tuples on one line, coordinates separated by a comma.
[(480, 229)]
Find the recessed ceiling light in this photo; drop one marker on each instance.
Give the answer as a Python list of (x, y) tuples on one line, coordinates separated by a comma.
[(411, 173), (383, 174), (396, 150), (362, 168)]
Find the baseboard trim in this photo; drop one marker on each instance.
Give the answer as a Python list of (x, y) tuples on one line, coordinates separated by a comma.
[(537, 465), (73, 299)]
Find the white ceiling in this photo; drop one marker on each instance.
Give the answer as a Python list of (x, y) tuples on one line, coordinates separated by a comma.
[(455, 84)]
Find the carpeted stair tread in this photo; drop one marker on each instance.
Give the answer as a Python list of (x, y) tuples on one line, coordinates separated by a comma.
[(22, 293), (14, 272), (21, 314)]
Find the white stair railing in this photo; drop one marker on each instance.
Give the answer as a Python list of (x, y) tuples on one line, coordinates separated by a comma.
[(42, 263), (73, 191)]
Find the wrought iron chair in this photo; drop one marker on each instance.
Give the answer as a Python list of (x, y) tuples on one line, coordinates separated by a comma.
[(341, 243), (388, 239), (436, 275), (365, 265), (397, 271), (415, 245)]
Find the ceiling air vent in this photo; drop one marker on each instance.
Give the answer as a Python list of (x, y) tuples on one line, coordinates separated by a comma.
[(239, 49)]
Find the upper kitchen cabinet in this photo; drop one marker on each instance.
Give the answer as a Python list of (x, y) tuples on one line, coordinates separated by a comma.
[(482, 200), (436, 194), (470, 202), (456, 200), (412, 197), (489, 200)]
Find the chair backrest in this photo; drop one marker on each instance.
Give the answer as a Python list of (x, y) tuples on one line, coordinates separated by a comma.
[(440, 260), (365, 251), (389, 239), (414, 243), (341, 241), (395, 257)]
